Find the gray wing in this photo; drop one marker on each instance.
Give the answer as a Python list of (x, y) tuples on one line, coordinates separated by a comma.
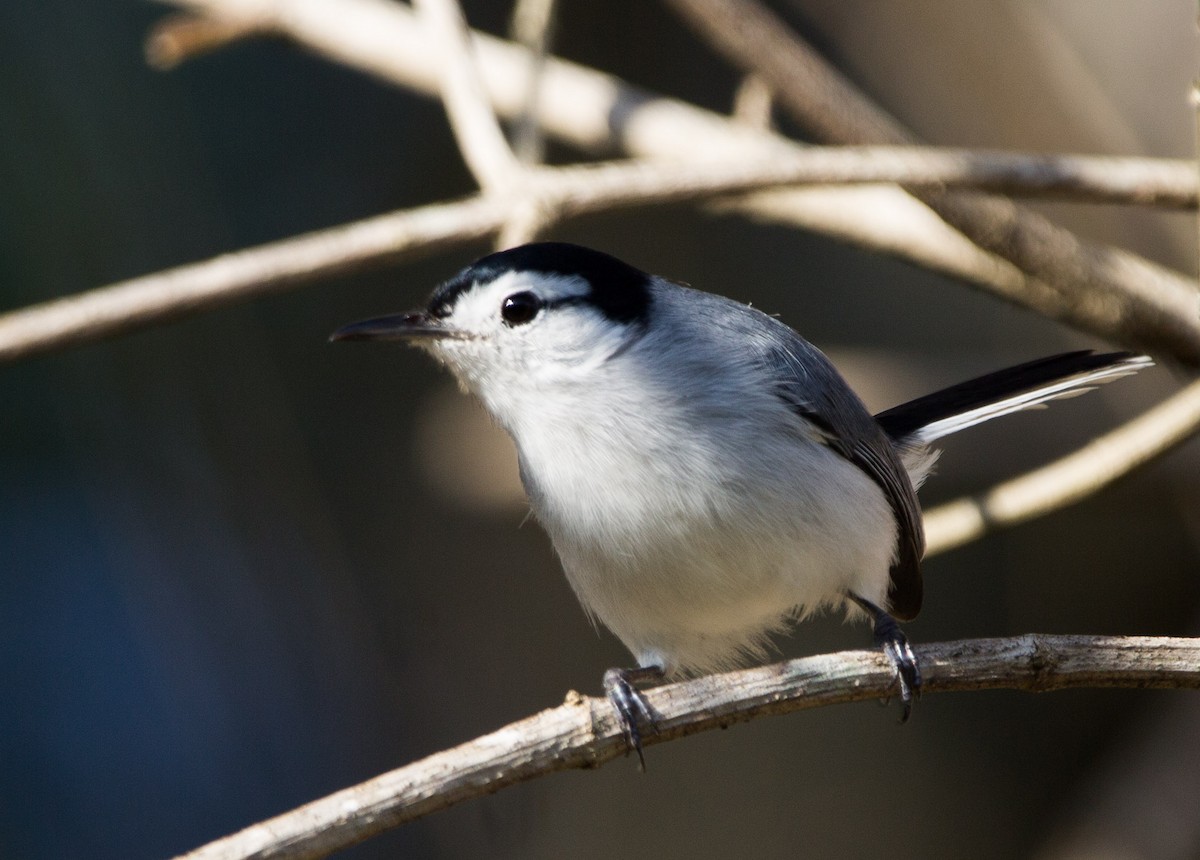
[(813, 388)]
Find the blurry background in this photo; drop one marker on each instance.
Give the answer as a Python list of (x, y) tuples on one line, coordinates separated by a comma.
[(241, 568)]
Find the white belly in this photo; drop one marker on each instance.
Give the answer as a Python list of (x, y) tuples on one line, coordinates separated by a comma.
[(691, 571)]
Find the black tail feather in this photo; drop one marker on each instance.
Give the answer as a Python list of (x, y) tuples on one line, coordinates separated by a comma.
[(904, 421)]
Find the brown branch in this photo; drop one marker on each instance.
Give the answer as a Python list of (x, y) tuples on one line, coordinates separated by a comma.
[(178, 38), (753, 104), (583, 732)]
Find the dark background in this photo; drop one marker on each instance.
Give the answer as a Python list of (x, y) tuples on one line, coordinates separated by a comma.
[(241, 568)]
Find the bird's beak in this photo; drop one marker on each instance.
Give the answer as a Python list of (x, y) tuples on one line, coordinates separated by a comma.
[(416, 325)]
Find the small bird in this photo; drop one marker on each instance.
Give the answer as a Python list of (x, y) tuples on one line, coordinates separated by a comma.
[(706, 475)]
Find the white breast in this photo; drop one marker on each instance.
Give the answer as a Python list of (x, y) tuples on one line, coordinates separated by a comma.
[(691, 555)]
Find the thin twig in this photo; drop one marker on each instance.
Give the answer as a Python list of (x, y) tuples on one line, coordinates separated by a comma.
[(1194, 98), (1068, 279), (532, 21), (531, 27), (756, 40), (599, 112), (1097, 179), (182, 37), (128, 305), (753, 103), (564, 192), (584, 733), (1149, 308), (1068, 480), (529, 219), (478, 132)]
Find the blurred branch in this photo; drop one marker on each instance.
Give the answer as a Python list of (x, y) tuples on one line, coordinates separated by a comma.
[(181, 37), (1068, 480), (753, 103), (480, 138), (532, 21), (1194, 98), (552, 194), (531, 27), (584, 732), (1089, 286), (1137, 304), (170, 294)]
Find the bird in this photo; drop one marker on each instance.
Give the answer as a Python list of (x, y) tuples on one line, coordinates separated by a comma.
[(705, 474)]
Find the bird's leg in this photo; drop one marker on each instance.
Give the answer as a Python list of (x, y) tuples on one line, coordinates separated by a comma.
[(620, 686), (894, 643)]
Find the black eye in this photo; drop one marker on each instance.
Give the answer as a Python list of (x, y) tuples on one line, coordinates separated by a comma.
[(520, 308)]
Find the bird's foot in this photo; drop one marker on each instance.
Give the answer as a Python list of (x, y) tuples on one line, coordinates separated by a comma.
[(895, 645), (634, 712), (888, 636)]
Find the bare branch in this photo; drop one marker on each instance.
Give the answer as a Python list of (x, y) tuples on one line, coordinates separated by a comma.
[(1137, 303), (598, 112), (529, 219), (1096, 179), (1068, 480), (480, 138), (127, 305), (548, 194), (1089, 286), (531, 27), (753, 38), (584, 733), (1194, 97), (753, 103), (574, 191), (177, 38)]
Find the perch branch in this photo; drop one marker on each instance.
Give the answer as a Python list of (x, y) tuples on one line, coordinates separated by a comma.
[(1068, 480), (566, 192), (1068, 279), (1152, 308), (583, 732)]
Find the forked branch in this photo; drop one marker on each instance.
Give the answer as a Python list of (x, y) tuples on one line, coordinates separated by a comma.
[(563, 193), (1020, 257), (1064, 277)]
